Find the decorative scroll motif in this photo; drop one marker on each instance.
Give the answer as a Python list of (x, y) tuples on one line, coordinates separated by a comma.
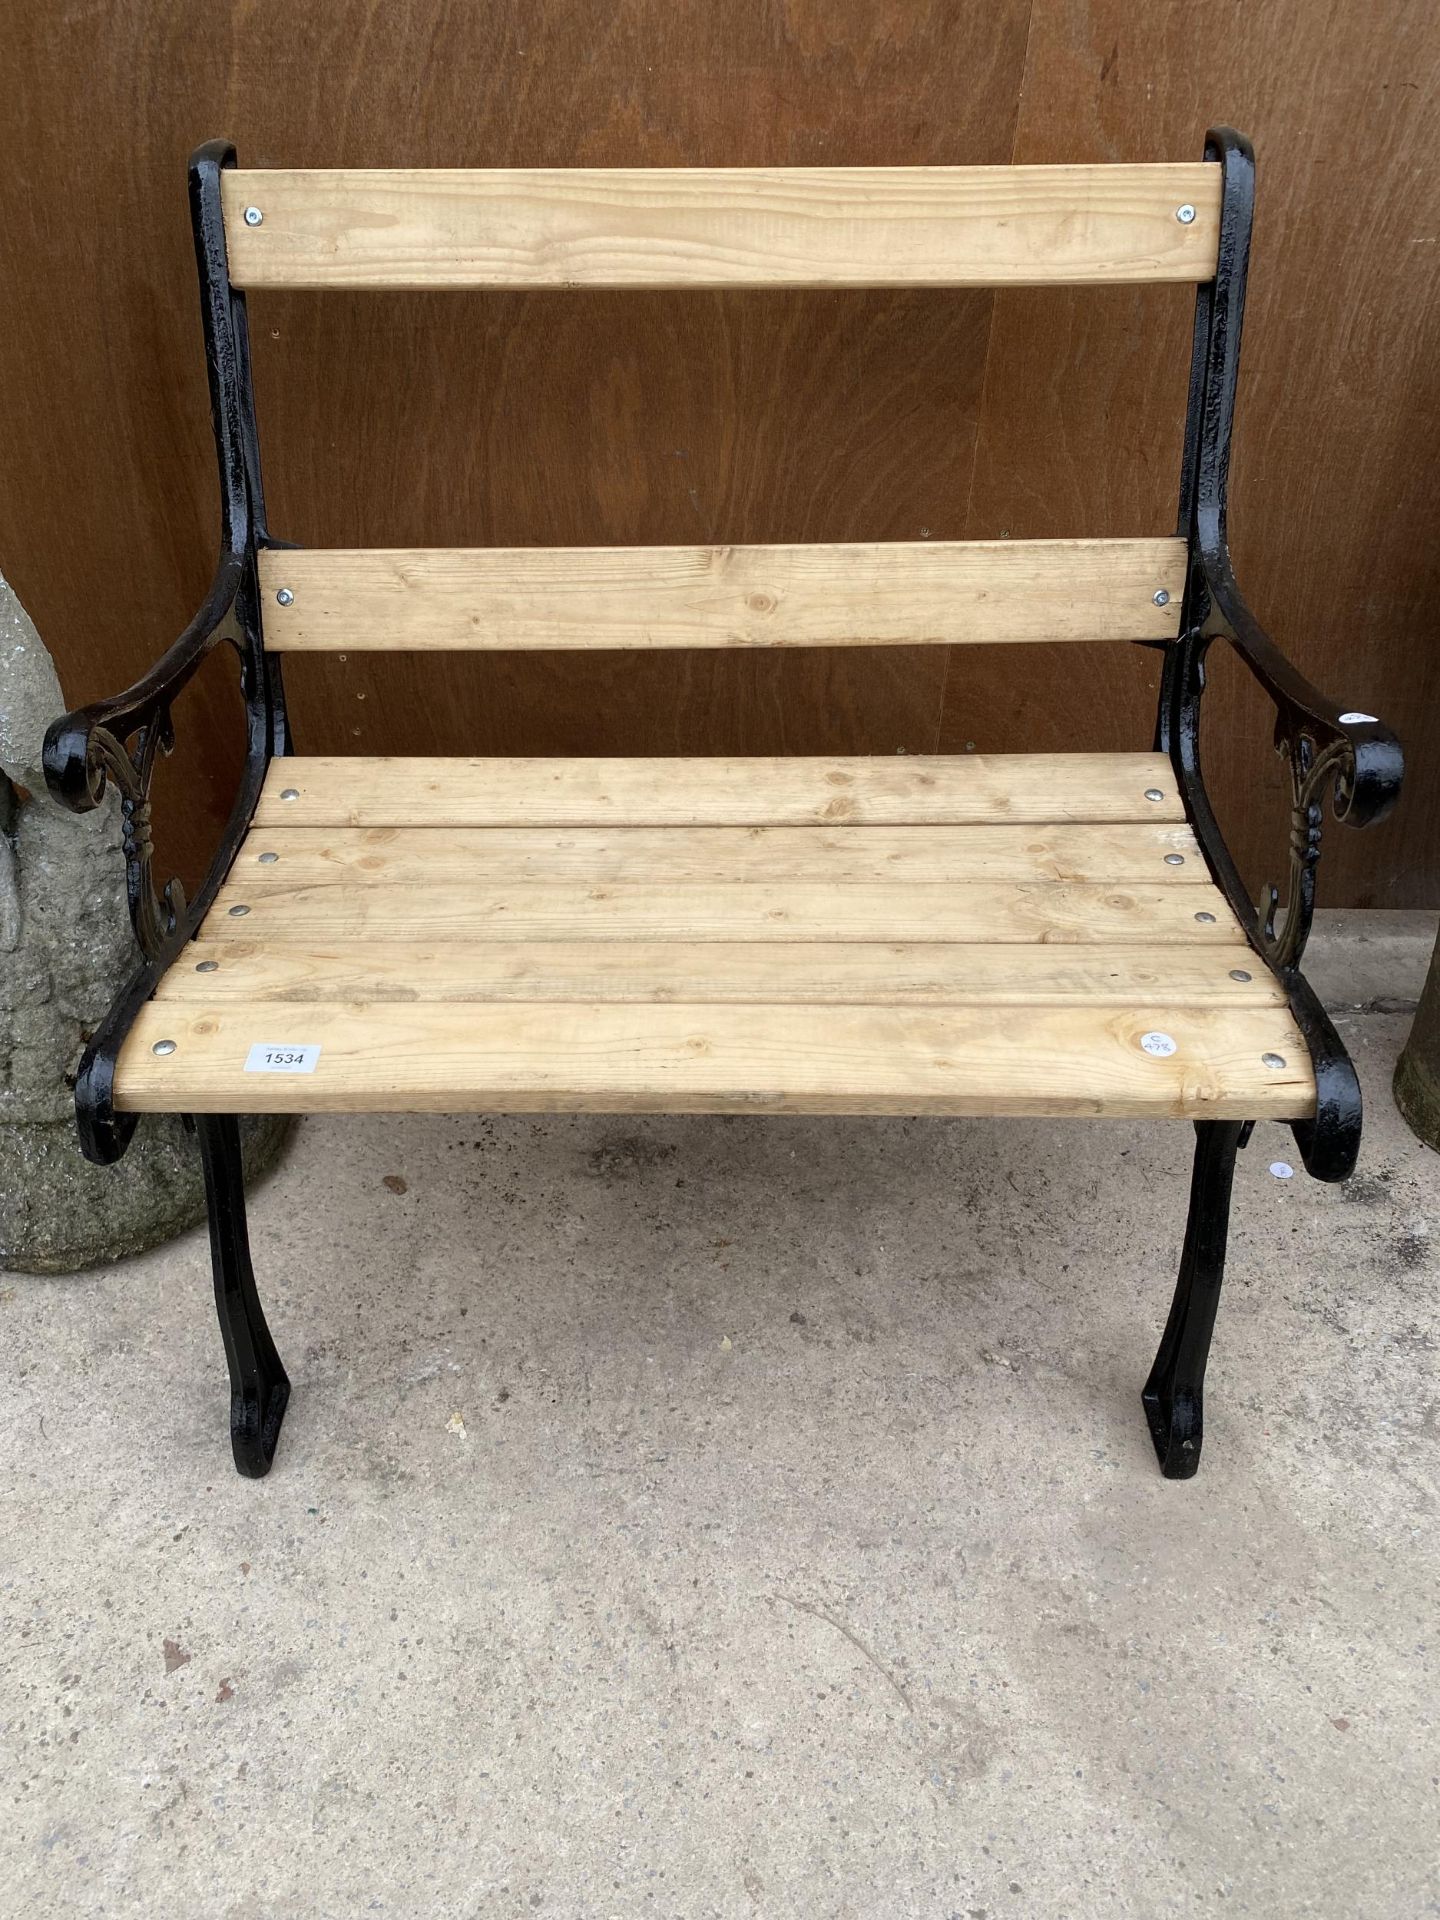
[(154, 915), (1315, 776)]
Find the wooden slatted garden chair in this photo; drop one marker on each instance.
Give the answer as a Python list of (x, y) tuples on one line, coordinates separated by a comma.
[(1031, 934)]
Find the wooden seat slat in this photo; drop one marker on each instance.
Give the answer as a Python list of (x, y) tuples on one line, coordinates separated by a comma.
[(440, 856), (978, 912), (721, 1059), (884, 790), (889, 973)]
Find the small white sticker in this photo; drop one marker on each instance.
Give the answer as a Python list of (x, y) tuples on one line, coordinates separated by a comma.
[(1282, 1170), (267, 1057), (1160, 1044)]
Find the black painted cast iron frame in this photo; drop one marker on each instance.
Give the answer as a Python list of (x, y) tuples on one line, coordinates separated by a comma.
[(87, 750), (1348, 761)]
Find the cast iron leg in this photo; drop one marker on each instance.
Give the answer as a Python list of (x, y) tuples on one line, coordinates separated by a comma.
[(259, 1388), (1173, 1393)]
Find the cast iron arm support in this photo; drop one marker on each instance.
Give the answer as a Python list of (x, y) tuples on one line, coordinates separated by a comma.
[(1348, 760), (1352, 762), (88, 749), (120, 739)]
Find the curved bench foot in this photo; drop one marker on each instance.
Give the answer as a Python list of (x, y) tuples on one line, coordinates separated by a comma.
[(255, 1423), (1173, 1396), (1176, 1427), (259, 1386)]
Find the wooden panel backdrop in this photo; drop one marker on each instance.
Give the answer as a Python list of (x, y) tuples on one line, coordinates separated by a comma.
[(652, 418)]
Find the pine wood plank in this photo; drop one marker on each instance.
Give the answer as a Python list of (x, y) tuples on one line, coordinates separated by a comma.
[(430, 856), (898, 594), (898, 790), (692, 1059), (722, 226), (780, 972), (979, 914)]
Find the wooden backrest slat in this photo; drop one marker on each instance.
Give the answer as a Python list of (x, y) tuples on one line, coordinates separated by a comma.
[(723, 227), (647, 597)]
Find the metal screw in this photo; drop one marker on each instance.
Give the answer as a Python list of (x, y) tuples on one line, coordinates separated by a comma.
[(1162, 598), (1174, 859), (253, 216), (1185, 215), (1239, 973), (163, 1047), (207, 966), (268, 859), (1357, 719), (1206, 919), (290, 793), (235, 912), (1272, 1059), (285, 597), (1153, 793)]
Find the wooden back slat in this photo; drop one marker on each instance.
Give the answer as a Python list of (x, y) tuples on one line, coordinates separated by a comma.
[(723, 227), (647, 597)]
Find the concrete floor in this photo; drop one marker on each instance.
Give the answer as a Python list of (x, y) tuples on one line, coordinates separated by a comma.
[(741, 1517)]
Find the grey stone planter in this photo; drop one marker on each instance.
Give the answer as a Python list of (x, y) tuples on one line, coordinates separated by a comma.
[(58, 1214)]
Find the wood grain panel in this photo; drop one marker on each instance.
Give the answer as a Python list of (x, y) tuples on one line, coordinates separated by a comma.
[(412, 420), (773, 972), (858, 594), (722, 227), (1337, 445), (712, 1059)]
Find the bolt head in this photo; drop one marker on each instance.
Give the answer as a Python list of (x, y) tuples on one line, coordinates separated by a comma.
[(268, 859), (1185, 215), (1154, 793), (163, 1047), (1272, 1060), (235, 912), (285, 597), (290, 793), (1206, 919), (207, 966), (1162, 598), (1174, 859), (1239, 973), (253, 216)]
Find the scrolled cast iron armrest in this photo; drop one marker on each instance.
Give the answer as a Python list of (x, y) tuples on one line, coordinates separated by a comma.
[(88, 749), (1347, 758)]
